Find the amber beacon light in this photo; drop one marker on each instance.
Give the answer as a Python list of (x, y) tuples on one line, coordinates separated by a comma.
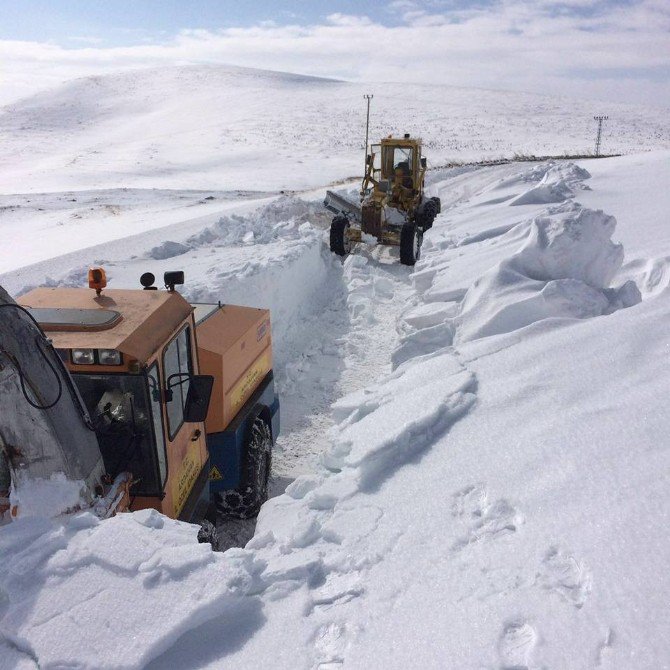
[(97, 279)]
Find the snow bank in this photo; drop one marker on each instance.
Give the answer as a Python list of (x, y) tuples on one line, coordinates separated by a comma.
[(90, 594), (561, 271), (563, 266), (168, 249), (278, 219), (287, 269), (558, 183)]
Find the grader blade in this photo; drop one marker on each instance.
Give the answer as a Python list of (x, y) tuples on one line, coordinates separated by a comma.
[(338, 204)]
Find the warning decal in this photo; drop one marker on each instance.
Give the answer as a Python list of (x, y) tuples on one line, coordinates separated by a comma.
[(215, 474)]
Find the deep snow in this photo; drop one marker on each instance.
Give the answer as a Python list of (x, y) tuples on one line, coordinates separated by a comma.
[(475, 449), (498, 503)]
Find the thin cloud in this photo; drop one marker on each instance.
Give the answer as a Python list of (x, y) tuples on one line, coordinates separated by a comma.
[(509, 45)]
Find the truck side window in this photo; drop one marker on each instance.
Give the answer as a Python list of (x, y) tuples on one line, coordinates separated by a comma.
[(157, 420), (177, 360)]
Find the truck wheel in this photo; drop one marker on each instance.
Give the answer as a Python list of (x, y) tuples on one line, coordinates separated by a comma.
[(411, 237), (208, 534), (340, 243), (245, 502)]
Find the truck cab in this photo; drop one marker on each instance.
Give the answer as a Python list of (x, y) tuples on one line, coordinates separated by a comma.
[(173, 391)]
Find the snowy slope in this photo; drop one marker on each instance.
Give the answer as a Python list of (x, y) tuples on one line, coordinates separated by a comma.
[(493, 491), (223, 128)]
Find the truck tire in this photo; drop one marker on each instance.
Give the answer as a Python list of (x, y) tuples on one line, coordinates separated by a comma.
[(411, 237), (245, 501), (340, 243), (208, 534)]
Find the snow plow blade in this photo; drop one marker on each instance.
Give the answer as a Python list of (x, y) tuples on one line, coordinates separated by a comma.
[(44, 427), (338, 204)]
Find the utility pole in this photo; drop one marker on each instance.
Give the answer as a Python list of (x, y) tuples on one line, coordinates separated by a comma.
[(600, 120), (368, 97)]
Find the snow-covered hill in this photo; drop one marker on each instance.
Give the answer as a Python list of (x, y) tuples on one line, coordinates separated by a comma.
[(225, 128)]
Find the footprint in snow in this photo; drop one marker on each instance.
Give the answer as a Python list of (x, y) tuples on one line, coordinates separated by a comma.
[(485, 520), (562, 573), (516, 645), (329, 644)]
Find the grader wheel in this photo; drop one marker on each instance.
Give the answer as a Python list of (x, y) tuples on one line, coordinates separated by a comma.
[(340, 243), (411, 237)]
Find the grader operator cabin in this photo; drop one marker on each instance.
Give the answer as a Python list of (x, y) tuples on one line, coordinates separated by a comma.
[(159, 403)]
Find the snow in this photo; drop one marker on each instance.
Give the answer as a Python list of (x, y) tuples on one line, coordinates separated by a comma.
[(113, 578), (563, 270), (259, 130), (47, 497), (473, 452)]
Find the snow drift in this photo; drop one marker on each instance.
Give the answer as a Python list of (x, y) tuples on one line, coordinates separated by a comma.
[(558, 183), (563, 270)]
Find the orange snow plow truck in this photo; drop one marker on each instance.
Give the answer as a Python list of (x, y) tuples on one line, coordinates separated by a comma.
[(180, 398)]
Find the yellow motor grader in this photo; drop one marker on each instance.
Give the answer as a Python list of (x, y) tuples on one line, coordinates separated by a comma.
[(393, 209)]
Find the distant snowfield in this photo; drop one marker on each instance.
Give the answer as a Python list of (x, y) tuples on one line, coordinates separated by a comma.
[(226, 128), (475, 449)]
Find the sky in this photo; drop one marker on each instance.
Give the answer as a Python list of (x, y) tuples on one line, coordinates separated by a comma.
[(616, 50)]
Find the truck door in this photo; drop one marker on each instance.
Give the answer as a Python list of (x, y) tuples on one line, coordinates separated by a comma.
[(187, 453)]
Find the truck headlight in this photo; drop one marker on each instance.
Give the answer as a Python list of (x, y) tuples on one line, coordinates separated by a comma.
[(109, 357), (83, 356)]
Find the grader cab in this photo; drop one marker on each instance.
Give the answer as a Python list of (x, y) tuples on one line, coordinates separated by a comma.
[(180, 397), (394, 209)]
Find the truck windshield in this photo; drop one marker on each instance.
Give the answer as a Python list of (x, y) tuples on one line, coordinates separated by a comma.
[(120, 406)]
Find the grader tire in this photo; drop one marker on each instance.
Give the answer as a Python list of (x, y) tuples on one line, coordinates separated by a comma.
[(411, 237), (340, 243), (428, 213)]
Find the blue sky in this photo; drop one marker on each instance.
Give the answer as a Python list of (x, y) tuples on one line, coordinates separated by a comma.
[(607, 49), (128, 22)]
